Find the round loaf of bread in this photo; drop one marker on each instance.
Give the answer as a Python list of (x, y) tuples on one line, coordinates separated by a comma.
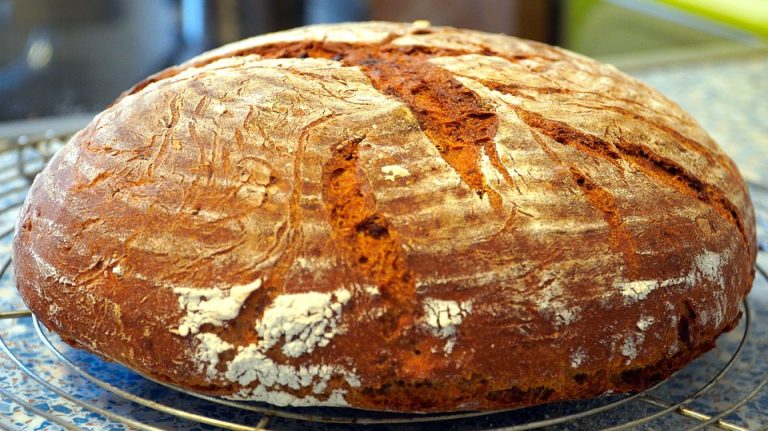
[(392, 217)]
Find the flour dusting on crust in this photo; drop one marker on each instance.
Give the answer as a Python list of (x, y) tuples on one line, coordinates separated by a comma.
[(251, 364), (553, 300), (305, 320), (281, 398), (443, 316), (207, 353), (211, 306), (707, 266)]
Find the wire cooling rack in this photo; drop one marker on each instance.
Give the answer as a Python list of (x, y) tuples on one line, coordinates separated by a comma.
[(44, 384)]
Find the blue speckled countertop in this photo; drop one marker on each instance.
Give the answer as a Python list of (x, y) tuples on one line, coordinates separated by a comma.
[(726, 95)]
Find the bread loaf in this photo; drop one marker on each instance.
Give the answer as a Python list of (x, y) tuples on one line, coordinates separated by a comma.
[(392, 217)]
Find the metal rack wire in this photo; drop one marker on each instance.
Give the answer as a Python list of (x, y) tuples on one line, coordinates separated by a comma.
[(649, 408)]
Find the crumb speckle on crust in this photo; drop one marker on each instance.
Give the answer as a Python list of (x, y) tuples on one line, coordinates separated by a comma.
[(637, 290), (393, 172), (578, 357), (645, 322), (631, 345), (118, 270)]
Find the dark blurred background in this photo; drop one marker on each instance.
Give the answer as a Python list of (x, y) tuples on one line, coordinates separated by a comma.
[(64, 57)]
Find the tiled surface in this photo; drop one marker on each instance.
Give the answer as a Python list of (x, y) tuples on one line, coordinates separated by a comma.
[(728, 99)]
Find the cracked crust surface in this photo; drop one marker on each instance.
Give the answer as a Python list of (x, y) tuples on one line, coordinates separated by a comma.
[(546, 203)]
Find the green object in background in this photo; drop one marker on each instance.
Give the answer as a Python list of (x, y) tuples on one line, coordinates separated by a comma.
[(600, 28), (749, 15)]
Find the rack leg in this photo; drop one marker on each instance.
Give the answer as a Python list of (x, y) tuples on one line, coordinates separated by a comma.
[(263, 422)]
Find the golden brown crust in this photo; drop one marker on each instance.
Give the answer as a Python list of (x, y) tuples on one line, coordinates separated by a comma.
[(390, 217)]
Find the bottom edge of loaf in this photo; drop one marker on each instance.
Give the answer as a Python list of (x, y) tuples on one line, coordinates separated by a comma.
[(476, 394), (404, 398)]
